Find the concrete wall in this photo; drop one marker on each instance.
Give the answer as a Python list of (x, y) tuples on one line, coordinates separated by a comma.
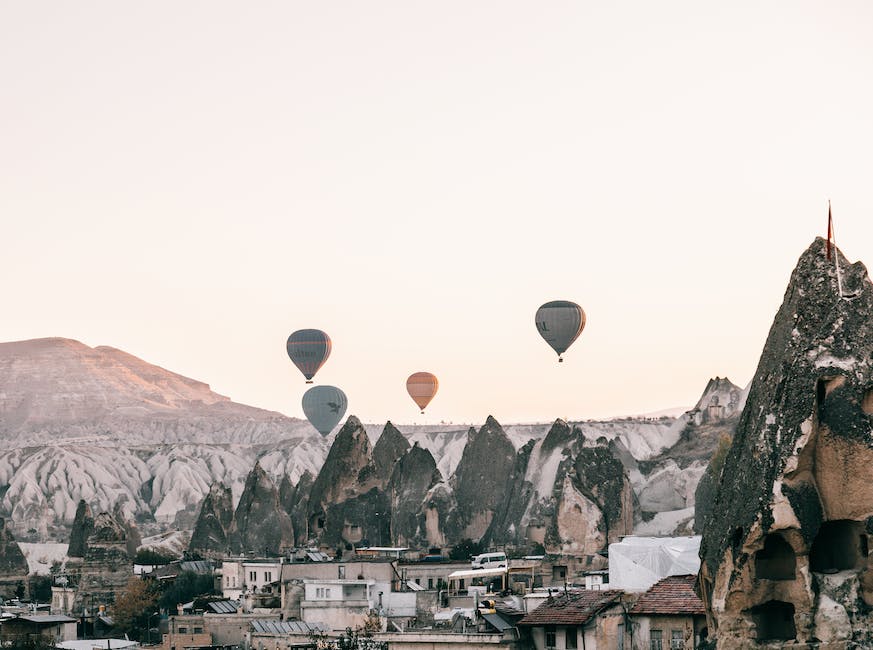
[(641, 627), (443, 641), (380, 571), (231, 629)]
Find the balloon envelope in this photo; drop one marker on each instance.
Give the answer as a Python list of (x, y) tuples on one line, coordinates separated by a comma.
[(324, 407), (422, 386), (308, 349), (560, 322)]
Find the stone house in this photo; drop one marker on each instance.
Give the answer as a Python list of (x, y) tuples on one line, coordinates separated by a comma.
[(50, 627), (584, 620), (669, 616)]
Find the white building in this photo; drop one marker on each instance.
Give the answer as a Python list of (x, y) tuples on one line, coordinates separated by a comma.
[(239, 576), (339, 604)]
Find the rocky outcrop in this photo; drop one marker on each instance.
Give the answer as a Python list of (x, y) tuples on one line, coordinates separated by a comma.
[(414, 476), (260, 524), (83, 526), (209, 538), (387, 451), (347, 473), (785, 547), (13, 565), (483, 471), (721, 399), (300, 508), (106, 566), (565, 493)]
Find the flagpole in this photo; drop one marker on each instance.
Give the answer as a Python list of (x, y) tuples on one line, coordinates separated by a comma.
[(831, 236)]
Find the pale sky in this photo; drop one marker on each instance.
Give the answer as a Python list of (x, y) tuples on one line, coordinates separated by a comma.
[(193, 181)]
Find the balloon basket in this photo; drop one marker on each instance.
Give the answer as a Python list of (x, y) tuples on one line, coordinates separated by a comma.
[(308, 381)]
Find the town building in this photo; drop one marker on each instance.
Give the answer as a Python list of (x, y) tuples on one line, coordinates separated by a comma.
[(583, 619), (670, 615), (51, 628)]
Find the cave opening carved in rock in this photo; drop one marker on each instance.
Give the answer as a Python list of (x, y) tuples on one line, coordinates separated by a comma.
[(867, 403), (839, 546), (773, 620), (776, 561)]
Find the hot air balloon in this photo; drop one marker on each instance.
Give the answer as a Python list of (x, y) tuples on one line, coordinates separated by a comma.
[(308, 349), (560, 322), (422, 386), (324, 407)]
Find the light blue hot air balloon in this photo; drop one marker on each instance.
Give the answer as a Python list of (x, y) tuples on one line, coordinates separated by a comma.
[(324, 407), (560, 322)]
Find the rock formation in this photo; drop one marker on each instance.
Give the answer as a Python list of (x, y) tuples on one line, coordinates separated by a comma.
[(414, 475), (260, 524), (347, 502), (300, 508), (209, 538), (83, 526), (388, 449), (484, 469), (106, 566), (13, 565), (566, 493), (785, 547)]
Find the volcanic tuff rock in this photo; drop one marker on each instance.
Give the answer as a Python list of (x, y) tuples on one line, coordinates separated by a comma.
[(216, 515), (13, 565), (300, 508), (415, 475), (388, 449), (105, 568), (785, 548), (348, 472), (567, 493), (260, 523), (83, 526), (484, 469)]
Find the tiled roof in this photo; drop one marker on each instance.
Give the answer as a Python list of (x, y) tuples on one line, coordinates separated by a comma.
[(574, 608), (671, 595)]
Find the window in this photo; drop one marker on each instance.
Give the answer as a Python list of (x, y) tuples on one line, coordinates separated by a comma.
[(656, 640), (198, 630), (268, 576), (253, 576), (234, 581), (327, 593), (319, 592), (677, 640), (570, 641), (418, 581), (341, 572), (183, 630), (550, 637), (430, 583), (620, 644), (776, 560)]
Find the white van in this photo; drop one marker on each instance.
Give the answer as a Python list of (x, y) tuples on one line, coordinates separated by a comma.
[(489, 561)]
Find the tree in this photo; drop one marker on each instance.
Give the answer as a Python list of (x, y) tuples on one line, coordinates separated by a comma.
[(186, 587), (149, 556), (41, 588), (133, 606), (465, 549)]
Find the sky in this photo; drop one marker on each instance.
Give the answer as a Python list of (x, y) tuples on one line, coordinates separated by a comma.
[(193, 181)]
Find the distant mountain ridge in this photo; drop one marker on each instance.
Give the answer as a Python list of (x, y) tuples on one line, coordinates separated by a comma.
[(102, 425)]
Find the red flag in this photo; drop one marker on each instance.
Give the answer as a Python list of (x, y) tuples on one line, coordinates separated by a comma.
[(830, 230)]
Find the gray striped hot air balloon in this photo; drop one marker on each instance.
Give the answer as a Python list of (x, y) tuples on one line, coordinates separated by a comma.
[(324, 407), (308, 349), (560, 322)]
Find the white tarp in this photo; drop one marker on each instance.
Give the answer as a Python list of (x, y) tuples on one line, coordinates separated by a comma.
[(636, 563)]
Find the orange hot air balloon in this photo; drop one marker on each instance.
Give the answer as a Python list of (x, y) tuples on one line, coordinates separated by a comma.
[(422, 386)]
